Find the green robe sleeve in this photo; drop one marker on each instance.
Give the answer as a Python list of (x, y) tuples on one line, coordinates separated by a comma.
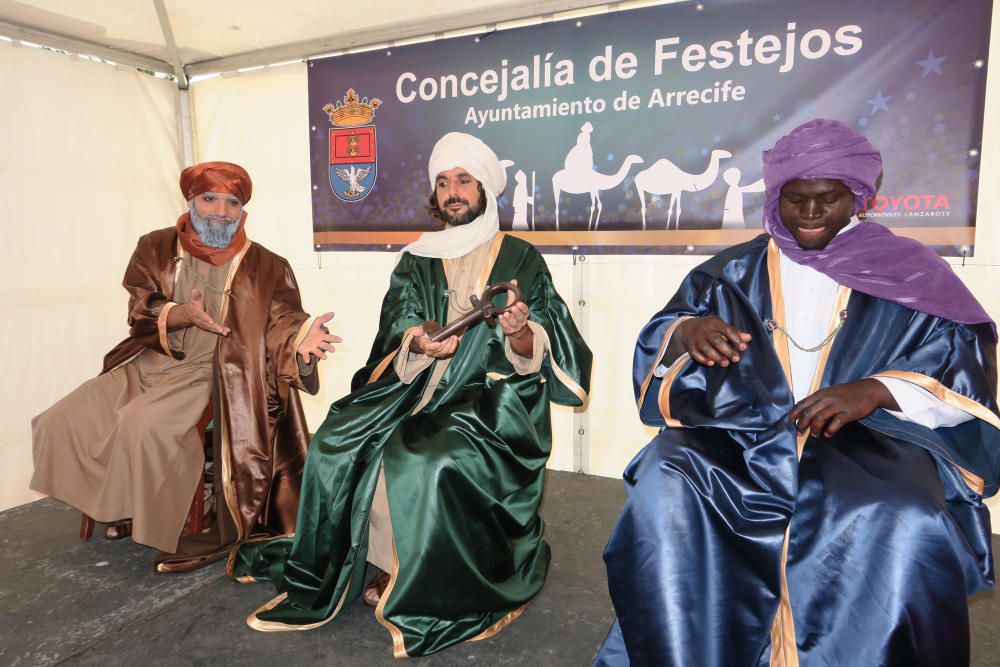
[(410, 301), (567, 364)]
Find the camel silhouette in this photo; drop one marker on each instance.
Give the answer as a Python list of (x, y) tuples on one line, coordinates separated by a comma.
[(664, 178), (577, 182)]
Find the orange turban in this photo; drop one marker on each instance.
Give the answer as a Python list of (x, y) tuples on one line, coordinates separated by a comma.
[(216, 177)]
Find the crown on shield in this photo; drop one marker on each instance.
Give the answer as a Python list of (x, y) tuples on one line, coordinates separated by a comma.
[(352, 111)]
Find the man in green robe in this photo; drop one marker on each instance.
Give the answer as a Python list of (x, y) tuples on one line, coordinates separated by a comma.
[(433, 467)]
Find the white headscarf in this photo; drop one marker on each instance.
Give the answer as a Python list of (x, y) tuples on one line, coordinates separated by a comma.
[(453, 150)]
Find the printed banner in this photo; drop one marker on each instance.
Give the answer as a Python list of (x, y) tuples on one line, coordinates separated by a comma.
[(642, 130)]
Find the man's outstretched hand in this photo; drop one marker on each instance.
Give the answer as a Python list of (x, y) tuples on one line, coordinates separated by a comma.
[(709, 340), (826, 411), (192, 314), (318, 340)]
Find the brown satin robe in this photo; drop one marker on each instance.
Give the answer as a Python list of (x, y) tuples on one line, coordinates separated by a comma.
[(147, 465)]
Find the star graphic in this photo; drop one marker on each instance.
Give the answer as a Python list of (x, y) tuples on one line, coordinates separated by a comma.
[(932, 63), (777, 118), (880, 101)]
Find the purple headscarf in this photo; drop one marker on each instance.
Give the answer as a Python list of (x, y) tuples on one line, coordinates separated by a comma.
[(869, 257)]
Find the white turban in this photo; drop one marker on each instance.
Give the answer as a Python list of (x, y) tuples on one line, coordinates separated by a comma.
[(454, 150)]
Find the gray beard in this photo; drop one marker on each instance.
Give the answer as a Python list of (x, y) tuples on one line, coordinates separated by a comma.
[(213, 234)]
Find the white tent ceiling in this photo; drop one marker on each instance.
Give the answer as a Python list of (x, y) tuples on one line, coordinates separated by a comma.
[(191, 37)]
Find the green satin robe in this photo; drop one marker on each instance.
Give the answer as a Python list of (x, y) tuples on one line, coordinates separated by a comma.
[(464, 476)]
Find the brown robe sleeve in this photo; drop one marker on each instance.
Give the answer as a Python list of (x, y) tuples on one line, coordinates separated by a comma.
[(148, 304), (148, 280), (286, 327)]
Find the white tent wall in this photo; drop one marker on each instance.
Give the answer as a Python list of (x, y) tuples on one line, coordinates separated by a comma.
[(259, 119), (89, 162)]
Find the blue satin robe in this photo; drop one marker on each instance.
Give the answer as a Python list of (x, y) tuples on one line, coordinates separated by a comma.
[(887, 534)]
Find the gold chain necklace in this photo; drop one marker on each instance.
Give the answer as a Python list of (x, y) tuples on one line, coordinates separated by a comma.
[(773, 324)]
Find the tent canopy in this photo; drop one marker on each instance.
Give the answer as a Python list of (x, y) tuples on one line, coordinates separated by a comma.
[(187, 38)]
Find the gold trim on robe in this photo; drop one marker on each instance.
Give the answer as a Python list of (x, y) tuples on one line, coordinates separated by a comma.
[(565, 378), (778, 337), (228, 487), (182, 254), (945, 395), (303, 331), (663, 397), (398, 646), (491, 259), (161, 327), (501, 624), (274, 626), (659, 358), (784, 648), (955, 400), (382, 365), (227, 291)]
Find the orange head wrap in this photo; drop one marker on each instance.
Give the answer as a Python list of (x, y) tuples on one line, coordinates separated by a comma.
[(213, 177), (216, 177)]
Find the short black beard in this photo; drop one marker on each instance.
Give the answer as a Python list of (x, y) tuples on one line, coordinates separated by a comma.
[(212, 234), (470, 214)]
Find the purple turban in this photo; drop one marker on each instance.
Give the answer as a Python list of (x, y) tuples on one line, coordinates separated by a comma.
[(868, 258)]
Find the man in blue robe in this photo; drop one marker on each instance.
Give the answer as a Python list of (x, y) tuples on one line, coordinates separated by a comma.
[(828, 397)]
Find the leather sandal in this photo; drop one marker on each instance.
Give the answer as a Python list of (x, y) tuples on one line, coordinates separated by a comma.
[(375, 588), (118, 530)]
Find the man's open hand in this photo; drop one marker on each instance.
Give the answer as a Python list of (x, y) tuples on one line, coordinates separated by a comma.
[(318, 340), (192, 314)]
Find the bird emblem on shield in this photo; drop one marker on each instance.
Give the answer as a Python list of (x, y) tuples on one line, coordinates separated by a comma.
[(352, 146)]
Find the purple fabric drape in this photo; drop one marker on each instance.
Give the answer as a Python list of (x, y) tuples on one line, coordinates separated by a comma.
[(869, 257)]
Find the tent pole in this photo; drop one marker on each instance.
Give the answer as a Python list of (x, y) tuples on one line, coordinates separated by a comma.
[(186, 127), (168, 36)]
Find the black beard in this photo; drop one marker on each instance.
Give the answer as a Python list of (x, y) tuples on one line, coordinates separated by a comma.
[(470, 214)]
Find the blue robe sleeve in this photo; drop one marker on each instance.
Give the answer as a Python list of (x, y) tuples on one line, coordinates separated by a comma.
[(957, 364), (693, 299)]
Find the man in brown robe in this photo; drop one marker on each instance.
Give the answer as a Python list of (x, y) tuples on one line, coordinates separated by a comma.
[(216, 320)]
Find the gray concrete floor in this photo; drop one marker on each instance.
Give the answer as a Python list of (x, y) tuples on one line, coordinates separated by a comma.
[(66, 601)]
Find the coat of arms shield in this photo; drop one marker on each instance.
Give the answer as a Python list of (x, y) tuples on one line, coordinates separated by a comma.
[(352, 146), (352, 162)]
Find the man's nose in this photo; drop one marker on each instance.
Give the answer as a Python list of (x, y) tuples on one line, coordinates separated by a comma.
[(217, 208), (810, 209)]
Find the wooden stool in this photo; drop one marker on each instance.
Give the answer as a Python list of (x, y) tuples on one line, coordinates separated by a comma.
[(196, 516)]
